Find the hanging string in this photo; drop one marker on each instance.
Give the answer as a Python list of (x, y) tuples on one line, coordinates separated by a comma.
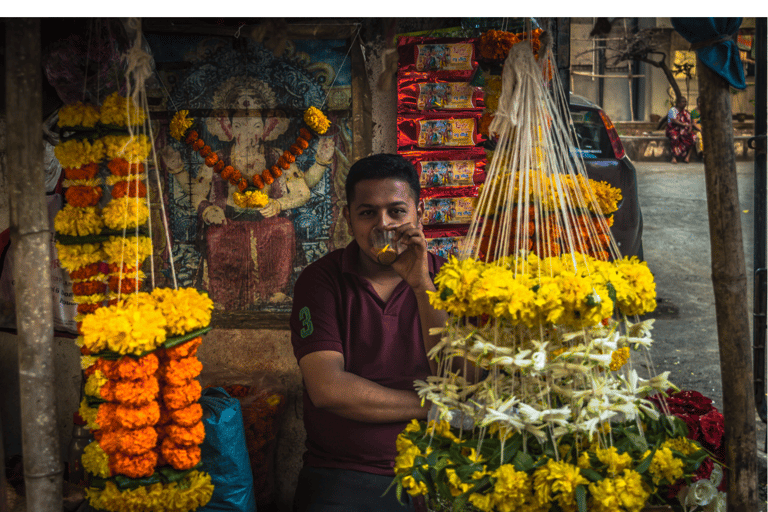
[(341, 66)]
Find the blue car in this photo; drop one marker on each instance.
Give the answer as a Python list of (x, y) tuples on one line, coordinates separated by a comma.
[(604, 158)]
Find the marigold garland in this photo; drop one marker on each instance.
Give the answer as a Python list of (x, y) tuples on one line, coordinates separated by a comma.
[(186, 436), (131, 392), (185, 309), (187, 416), (125, 329), (133, 466), (96, 461), (75, 153), (132, 148), (180, 457), (125, 213), (86, 172), (180, 129), (72, 220), (188, 349), (121, 111), (193, 491), (78, 114), (73, 257), (179, 397), (130, 250)]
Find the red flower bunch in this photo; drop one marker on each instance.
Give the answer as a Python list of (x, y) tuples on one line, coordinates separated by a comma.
[(705, 424)]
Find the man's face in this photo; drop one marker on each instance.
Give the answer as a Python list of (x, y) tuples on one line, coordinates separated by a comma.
[(382, 203)]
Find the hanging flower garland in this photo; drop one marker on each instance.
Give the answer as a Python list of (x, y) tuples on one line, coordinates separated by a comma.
[(181, 130), (141, 397), (91, 134)]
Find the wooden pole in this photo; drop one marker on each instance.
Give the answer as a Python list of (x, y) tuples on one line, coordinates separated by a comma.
[(729, 280), (31, 252)]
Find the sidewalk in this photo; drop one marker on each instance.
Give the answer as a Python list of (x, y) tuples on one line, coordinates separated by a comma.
[(643, 143)]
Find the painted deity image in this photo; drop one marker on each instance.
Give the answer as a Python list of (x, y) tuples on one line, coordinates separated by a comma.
[(248, 106)]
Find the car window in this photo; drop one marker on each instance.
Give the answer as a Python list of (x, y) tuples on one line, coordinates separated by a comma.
[(591, 135)]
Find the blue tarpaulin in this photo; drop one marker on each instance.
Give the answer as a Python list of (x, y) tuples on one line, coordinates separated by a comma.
[(714, 41)]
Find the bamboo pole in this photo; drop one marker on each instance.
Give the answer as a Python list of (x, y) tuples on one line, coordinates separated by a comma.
[(729, 280), (30, 243)]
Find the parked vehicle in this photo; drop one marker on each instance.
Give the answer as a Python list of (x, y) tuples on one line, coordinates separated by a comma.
[(604, 157)]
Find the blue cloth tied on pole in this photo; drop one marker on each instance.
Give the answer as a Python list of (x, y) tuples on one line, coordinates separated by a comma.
[(713, 39)]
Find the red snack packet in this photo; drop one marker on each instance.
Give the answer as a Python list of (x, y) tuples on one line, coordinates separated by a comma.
[(449, 168), (439, 130), (419, 92), (448, 58), (448, 210)]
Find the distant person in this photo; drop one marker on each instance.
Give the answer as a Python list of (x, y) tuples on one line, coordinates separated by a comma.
[(696, 121), (680, 131)]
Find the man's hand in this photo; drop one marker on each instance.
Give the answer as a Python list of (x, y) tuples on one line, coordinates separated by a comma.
[(413, 263), (214, 215)]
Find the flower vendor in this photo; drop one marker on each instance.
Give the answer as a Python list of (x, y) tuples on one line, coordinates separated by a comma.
[(360, 333)]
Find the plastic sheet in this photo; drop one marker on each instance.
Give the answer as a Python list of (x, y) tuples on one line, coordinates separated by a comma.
[(224, 453)]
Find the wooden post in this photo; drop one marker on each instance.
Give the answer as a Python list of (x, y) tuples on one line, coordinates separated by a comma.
[(31, 252), (729, 280)]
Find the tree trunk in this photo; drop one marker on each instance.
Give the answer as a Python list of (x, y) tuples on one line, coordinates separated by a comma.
[(729, 281)]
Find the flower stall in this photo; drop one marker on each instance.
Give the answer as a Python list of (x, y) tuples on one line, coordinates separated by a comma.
[(537, 404)]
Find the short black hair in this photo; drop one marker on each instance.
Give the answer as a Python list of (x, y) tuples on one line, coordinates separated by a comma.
[(379, 167)]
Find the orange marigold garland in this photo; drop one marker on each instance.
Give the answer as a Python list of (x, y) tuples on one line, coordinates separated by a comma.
[(181, 130)]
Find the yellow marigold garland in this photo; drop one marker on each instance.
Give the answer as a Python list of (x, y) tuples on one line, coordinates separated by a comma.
[(185, 309), (78, 221), (121, 111), (78, 114), (73, 257), (192, 492), (127, 250), (125, 329), (96, 461), (316, 120), (126, 212), (76, 153), (250, 199), (134, 149)]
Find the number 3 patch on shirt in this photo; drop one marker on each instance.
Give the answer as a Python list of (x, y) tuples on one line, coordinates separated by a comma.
[(306, 322)]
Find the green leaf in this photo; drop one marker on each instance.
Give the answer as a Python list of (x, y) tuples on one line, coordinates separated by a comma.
[(178, 340), (638, 442), (591, 475), (447, 292), (646, 462), (523, 461), (581, 498), (611, 292)]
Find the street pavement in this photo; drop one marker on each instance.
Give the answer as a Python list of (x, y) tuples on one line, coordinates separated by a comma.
[(677, 248)]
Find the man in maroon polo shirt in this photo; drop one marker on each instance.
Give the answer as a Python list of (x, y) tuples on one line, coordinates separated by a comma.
[(360, 333)]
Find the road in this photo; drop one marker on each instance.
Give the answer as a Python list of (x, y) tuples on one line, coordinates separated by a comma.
[(677, 248), (676, 242)]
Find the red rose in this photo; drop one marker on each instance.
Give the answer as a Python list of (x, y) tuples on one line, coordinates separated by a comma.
[(705, 469), (692, 401), (692, 422), (712, 428)]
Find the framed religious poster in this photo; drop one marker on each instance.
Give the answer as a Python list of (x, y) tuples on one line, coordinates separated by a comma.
[(247, 100)]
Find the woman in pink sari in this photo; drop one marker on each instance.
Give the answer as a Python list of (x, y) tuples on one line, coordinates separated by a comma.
[(680, 131)]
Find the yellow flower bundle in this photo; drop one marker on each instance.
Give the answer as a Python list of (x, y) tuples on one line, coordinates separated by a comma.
[(316, 120), (74, 154), (125, 213), (191, 492), (133, 149), (78, 221), (78, 114), (185, 309), (124, 328), (118, 110), (551, 292), (74, 257), (131, 250), (180, 124), (250, 199)]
